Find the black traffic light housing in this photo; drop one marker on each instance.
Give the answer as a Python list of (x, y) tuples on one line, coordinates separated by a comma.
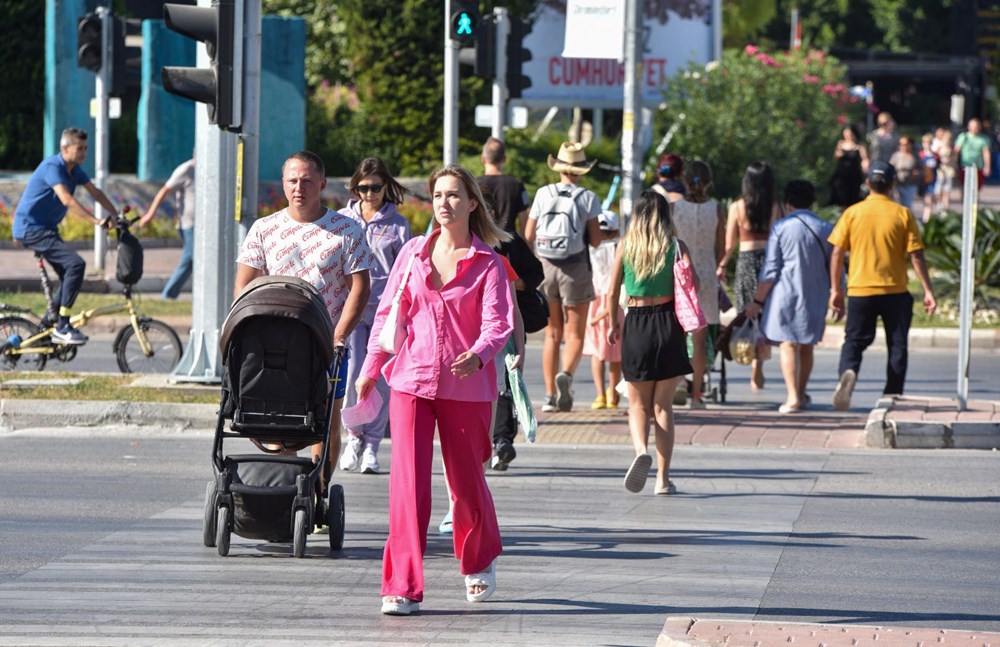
[(482, 56), (464, 23), (517, 55), (88, 42), (220, 86)]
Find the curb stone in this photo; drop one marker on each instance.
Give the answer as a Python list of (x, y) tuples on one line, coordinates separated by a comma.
[(883, 432), (30, 414)]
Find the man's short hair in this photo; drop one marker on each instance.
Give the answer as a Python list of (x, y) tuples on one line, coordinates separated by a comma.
[(801, 194), (72, 136), (494, 151), (308, 157)]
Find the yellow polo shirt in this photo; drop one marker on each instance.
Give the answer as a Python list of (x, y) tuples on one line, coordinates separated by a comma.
[(879, 234)]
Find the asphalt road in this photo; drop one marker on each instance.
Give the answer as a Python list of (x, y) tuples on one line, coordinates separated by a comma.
[(102, 546), (932, 371)]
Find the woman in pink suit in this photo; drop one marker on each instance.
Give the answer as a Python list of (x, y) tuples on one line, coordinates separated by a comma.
[(457, 309)]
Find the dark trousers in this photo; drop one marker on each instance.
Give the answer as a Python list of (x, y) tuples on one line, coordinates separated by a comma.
[(896, 311), (69, 265), (504, 423)]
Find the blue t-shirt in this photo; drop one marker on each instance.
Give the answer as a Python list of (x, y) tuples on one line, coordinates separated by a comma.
[(40, 207)]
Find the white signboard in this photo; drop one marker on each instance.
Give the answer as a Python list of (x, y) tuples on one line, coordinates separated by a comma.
[(675, 33), (595, 29)]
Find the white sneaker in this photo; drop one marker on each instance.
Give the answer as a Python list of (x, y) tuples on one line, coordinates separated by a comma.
[(369, 462), (351, 457), (845, 388), (550, 404)]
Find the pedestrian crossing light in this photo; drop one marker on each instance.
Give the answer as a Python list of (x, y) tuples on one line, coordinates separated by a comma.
[(464, 23)]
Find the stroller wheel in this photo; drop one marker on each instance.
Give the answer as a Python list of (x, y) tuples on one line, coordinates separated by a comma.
[(208, 524), (222, 530), (335, 516), (300, 533)]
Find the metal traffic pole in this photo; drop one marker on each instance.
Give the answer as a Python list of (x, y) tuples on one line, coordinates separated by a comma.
[(970, 207)]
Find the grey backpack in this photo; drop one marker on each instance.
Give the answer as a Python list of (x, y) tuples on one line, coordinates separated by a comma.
[(559, 232)]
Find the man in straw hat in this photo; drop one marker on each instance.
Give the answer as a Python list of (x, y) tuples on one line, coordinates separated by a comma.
[(561, 223)]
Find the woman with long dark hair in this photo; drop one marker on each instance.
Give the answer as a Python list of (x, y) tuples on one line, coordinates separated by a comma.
[(749, 223), (375, 196)]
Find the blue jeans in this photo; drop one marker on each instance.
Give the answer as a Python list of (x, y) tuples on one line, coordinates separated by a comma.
[(69, 265), (183, 272)]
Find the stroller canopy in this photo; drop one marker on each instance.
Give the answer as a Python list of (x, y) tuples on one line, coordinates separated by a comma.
[(284, 297)]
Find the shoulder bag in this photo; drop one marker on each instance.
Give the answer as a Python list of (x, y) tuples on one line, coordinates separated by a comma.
[(393, 333), (686, 306)]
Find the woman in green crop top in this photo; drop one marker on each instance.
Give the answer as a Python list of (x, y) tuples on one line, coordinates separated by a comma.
[(654, 349)]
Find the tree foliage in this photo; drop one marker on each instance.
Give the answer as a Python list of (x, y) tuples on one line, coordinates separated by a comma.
[(786, 109), (22, 84), (889, 25)]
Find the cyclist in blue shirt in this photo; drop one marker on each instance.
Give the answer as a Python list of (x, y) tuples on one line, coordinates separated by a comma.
[(44, 204)]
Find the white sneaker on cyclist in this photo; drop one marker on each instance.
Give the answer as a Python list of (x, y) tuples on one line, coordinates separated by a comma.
[(351, 458), (69, 336)]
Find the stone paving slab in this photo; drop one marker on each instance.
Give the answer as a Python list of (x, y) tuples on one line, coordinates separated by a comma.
[(921, 422), (698, 632), (732, 426)]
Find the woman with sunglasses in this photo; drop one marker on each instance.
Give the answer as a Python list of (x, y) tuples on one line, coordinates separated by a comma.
[(374, 197)]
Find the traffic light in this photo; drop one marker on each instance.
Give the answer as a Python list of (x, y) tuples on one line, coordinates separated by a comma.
[(221, 86), (482, 55), (516, 56), (88, 42), (464, 26)]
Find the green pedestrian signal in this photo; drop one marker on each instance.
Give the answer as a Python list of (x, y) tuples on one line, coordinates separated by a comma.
[(464, 23)]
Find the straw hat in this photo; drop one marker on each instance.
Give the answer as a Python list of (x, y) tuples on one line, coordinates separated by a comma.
[(571, 160)]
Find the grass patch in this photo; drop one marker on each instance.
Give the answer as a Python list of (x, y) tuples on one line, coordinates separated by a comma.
[(153, 307), (102, 387)]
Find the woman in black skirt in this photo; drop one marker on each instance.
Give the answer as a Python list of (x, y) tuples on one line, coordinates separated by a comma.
[(654, 351)]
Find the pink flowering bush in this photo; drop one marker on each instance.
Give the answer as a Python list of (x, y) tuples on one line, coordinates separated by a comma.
[(787, 108)]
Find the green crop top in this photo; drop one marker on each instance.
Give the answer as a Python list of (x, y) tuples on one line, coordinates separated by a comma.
[(660, 285)]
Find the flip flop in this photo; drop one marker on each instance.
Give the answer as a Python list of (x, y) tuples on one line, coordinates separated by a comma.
[(487, 578), (638, 471)]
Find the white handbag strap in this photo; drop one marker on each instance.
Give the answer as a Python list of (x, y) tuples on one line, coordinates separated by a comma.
[(406, 276)]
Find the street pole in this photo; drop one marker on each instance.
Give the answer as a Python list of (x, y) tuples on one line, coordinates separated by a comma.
[(221, 158), (970, 209), (631, 154), (450, 143), (500, 103), (102, 84)]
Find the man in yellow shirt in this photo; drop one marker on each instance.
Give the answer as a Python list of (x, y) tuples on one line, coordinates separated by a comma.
[(879, 234)]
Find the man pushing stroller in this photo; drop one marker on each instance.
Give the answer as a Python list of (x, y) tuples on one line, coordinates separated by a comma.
[(328, 250)]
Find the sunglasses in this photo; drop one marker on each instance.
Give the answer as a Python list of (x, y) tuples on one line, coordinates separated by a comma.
[(369, 188)]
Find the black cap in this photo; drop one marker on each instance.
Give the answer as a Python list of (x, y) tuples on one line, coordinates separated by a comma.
[(882, 170)]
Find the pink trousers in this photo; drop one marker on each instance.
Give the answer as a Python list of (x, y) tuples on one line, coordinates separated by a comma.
[(463, 428)]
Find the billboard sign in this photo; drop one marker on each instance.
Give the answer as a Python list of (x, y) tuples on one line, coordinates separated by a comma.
[(675, 32)]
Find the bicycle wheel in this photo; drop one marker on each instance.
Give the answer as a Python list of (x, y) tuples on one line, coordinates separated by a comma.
[(12, 331), (163, 341)]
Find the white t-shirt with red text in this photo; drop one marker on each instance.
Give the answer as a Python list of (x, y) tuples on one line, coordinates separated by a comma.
[(324, 252)]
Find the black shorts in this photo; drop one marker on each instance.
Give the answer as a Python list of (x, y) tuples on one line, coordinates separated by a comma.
[(654, 346)]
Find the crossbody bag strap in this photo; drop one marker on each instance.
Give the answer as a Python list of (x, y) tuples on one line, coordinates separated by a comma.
[(822, 248), (406, 277)]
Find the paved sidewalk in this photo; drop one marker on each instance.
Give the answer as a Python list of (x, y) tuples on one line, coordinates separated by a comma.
[(699, 632)]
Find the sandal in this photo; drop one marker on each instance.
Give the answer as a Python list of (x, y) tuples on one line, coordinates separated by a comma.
[(397, 605), (599, 403), (611, 399), (487, 578)]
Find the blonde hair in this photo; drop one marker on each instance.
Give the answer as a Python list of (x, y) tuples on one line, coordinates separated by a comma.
[(649, 235), (480, 221)]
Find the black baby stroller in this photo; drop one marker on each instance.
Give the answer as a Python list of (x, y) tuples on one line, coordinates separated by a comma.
[(278, 358)]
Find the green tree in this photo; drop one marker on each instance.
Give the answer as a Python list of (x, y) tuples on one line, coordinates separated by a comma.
[(743, 20), (22, 84), (325, 38), (787, 109)]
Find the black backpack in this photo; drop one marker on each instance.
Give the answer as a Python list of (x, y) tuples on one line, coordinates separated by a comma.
[(129, 269)]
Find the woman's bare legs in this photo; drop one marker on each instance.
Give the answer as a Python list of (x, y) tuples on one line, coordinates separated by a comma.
[(699, 339), (663, 419)]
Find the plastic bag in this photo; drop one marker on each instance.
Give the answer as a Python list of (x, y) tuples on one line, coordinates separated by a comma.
[(522, 403), (745, 341)]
